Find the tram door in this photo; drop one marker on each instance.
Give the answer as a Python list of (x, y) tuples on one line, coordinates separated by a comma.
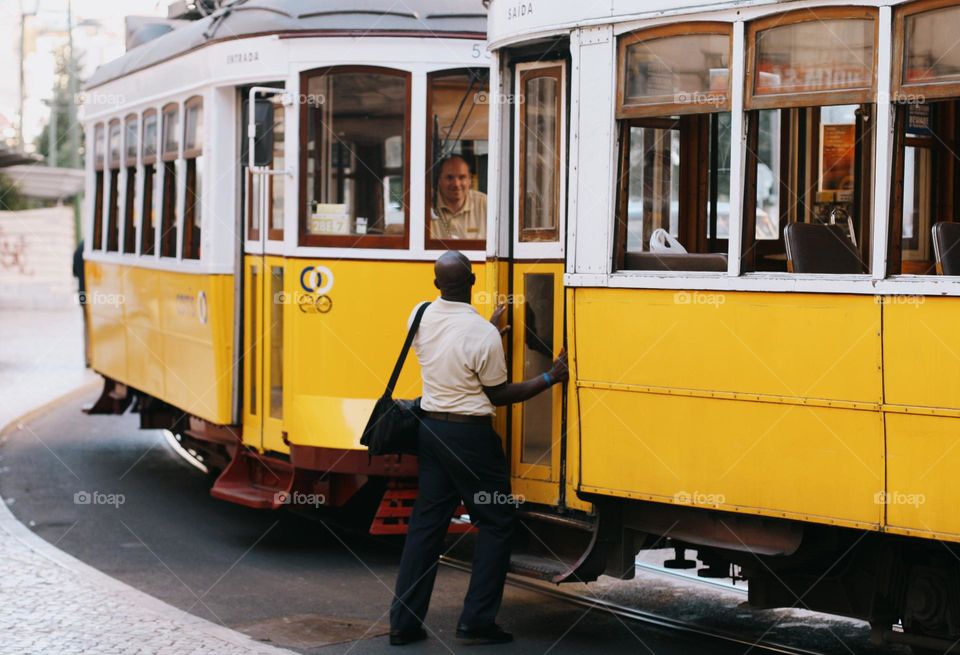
[(264, 284), (536, 274)]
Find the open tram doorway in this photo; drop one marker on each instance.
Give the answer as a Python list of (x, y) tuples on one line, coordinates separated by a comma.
[(535, 274), (264, 279)]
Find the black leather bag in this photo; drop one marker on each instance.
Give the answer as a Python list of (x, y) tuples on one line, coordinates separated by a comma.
[(393, 425)]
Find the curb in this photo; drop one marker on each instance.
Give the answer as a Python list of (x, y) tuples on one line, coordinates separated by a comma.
[(11, 527)]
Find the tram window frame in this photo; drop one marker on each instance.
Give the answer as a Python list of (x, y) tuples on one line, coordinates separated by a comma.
[(360, 241), (130, 164), (192, 230), (276, 189), (547, 234), (800, 148), (148, 200), (431, 177), (169, 158), (99, 148), (940, 144), (694, 116), (114, 155)]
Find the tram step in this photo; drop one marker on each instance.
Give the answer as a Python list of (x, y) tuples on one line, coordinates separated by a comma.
[(535, 566), (393, 514), (254, 481)]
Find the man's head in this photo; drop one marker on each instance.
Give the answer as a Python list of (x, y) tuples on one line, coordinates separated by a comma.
[(453, 276), (455, 181)]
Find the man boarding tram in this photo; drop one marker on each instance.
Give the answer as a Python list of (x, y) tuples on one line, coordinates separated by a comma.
[(460, 457)]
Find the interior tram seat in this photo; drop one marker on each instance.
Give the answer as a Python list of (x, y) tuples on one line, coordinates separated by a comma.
[(661, 261), (817, 248), (946, 247)]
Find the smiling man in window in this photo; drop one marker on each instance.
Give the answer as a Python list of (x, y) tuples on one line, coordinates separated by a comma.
[(460, 211)]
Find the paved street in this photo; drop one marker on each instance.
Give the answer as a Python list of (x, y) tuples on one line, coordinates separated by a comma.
[(119, 511)]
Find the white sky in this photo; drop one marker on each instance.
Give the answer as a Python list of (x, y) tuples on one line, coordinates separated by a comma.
[(98, 42)]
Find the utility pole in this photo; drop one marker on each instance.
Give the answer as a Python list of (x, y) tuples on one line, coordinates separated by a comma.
[(73, 128), (23, 26)]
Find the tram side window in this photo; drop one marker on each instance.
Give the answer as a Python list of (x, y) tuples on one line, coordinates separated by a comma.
[(673, 212), (356, 157), (148, 208), (925, 203), (193, 156), (541, 91), (171, 168), (457, 118), (113, 202), (270, 111), (129, 205), (98, 153), (810, 142)]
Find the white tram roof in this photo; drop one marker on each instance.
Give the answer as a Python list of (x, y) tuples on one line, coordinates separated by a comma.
[(250, 18)]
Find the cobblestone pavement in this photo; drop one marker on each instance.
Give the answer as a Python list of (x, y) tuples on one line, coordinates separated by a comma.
[(51, 602)]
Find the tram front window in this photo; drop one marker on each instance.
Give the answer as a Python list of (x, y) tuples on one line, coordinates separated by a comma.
[(674, 197), (457, 118), (356, 157)]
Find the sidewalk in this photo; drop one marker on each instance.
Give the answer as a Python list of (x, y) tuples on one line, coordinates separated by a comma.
[(51, 601)]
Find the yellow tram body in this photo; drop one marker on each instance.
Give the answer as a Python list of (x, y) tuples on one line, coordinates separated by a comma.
[(170, 336)]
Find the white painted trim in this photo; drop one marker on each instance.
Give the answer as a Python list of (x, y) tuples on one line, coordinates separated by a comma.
[(553, 249), (738, 149), (774, 282), (883, 159)]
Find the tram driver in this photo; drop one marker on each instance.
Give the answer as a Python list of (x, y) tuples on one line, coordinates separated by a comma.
[(460, 211)]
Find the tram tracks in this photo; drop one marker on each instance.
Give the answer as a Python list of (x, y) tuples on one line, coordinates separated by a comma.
[(640, 616)]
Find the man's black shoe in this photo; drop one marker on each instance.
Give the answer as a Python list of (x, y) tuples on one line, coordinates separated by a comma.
[(490, 634), (403, 638)]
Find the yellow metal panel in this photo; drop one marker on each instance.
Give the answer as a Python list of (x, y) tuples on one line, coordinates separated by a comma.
[(799, 345), (339, 360), (573, 414), (921, 356), (171, 335), (811, 463), (252, 407), (548, 469), (105, 309), (923, 490), (145, 359)]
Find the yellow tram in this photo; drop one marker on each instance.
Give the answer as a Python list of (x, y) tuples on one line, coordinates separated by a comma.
[(739, 217), (755, 208), (261, 200)]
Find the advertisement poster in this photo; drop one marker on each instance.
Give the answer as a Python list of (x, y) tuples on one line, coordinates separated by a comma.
[(837, 149)]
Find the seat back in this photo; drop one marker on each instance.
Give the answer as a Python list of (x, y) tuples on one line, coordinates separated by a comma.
[(816, 248), (946, 247), (665, 261)]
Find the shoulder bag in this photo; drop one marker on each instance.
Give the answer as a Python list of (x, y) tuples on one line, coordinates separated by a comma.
[(393, 425)]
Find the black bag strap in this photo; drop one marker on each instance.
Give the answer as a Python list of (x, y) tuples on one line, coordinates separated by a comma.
[(406, 349)]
